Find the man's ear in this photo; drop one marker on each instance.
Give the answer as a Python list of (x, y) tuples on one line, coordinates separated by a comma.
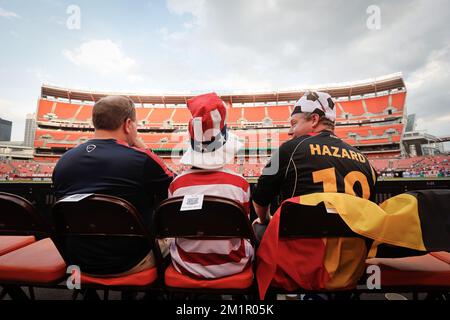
[(126, 126), (316, 119)]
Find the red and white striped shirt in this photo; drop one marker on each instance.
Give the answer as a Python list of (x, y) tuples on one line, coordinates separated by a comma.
[(211, 258)]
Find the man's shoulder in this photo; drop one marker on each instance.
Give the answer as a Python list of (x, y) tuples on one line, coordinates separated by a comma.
[(74, 151), (296, 142)]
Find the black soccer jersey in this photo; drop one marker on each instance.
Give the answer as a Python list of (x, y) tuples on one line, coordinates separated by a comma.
[(319, 162)]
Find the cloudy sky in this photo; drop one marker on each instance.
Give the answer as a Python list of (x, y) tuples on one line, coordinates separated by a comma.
[(193, 46)]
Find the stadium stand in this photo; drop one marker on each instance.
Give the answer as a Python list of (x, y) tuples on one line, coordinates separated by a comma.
[(84, 114), (377, 105), (370, 116), (398, 100), (234, 116), (159, 115), (66, 111), (45, 107), (254, 114), (279, 114), (353, 107), (181, 116)]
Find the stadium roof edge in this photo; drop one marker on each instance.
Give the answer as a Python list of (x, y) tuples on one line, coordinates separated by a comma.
[(348, 89)]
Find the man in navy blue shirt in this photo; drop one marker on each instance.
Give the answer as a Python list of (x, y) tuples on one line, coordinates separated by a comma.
[(114, 162)]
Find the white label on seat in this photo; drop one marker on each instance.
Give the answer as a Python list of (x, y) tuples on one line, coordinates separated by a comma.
[(192, 202), (76, 197)]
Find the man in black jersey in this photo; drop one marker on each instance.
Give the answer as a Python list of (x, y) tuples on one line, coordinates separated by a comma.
[(314, 160), (114, 162)]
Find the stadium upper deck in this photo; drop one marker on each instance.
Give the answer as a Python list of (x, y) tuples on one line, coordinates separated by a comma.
[(370, 115)]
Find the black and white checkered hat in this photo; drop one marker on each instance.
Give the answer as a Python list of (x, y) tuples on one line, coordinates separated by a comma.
[(316, 102)]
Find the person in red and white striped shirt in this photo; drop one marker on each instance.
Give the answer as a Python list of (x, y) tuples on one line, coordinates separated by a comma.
[(212, 146)]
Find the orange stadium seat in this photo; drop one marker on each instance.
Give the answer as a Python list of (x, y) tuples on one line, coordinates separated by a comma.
[(142, 114), (152, 137), (233, 115), (279, 114), (11, 243), (396, 138), (398, 100), (39, 143), (5, 168), (354, 107), (85, 114), (408, 162), (76, 136), (66, 111), (374, 141), (254, 114), (377, 105), (351, 142), (36, 263), (181, 116), (159, 115), (241, 280), (44, 107), (380, 164), (139, 279)]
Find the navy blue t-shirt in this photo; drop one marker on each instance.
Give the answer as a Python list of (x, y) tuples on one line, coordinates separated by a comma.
[(110, 167)]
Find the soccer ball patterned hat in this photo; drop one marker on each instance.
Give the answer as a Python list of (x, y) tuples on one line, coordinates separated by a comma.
[(316, 102)]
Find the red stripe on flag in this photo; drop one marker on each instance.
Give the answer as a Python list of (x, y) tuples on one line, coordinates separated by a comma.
[(208, 259), (209, 178)]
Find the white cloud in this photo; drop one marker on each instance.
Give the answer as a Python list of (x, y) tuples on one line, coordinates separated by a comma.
[(437, 67), (8, 14), (41, 75), (8, 110), (280, 45), (180, 7), (103, 56)]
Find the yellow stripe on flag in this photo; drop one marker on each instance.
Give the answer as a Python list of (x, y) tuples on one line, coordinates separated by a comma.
[(396, 221)]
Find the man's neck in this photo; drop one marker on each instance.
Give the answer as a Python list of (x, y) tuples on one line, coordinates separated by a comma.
[(321, 128), (105, 134)]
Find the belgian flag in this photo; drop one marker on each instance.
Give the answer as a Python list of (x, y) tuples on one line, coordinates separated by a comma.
[(417, 220)]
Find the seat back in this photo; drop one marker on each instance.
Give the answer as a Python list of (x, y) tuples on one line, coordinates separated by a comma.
[(18, 216), (218, 218), (99, 216), (301, 221)]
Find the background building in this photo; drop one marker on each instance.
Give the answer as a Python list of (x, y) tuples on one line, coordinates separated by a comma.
[(30, 130), (5, 130)]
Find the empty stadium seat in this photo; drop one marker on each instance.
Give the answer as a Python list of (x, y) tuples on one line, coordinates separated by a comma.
[(142, 114), (279, 114), (44, 107), (254, 114), (38, 263), (354, 107), (19, 217), (234, 114), (11, 243), (66, 111), (85, 114), (398, 100), (159, 115), (181, 116), (23, 260), (377, 105)]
